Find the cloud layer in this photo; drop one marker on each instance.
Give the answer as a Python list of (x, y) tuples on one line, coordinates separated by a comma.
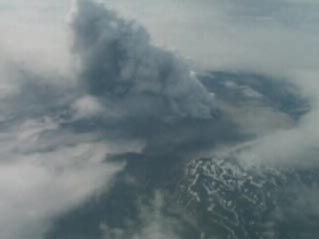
[(129, 115)]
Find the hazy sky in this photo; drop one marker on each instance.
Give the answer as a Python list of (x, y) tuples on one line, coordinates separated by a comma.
[(276, 35)]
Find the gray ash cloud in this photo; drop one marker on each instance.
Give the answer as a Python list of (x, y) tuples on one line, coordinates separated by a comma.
[(150, 95), (109, 153), (119, 65)]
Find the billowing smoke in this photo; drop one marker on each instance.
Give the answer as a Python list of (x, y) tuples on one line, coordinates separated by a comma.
[(119, 65), (83, 154)]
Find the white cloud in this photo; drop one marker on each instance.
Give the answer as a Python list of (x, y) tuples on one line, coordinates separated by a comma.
[(297, 145), (86, 107), (38, 186), (154, 224), (45, 169)]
